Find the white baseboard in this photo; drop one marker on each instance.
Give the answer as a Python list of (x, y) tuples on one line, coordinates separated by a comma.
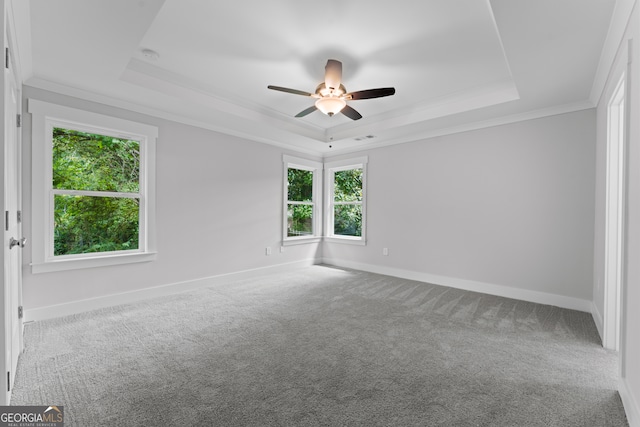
[(470, 285), (597, 319), (630, 403), (75, 307)]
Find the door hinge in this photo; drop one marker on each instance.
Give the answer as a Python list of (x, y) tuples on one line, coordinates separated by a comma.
[(6, 58), (8, 380), (20, 312), (6, 220), (19, 120), (19, 216)]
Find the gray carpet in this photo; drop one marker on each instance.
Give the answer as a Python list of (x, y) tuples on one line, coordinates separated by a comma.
[(323, 347)]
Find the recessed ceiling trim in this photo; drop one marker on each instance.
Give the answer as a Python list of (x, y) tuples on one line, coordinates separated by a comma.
[(150, 77), (485, 96), (256, 132), (313, 148), (415, 134), (446, 62)]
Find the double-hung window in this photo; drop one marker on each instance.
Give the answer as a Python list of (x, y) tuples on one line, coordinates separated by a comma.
[(346, 208), (93, 189), (302, 201)]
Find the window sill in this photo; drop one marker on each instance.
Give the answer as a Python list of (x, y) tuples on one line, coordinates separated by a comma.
[(301, 240), (346, 240), (92, 262)]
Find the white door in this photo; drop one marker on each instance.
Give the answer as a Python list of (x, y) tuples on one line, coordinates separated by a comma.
[(12, 223)]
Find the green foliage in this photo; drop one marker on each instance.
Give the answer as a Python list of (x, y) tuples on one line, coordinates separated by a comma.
[(348, 185), (85, 224), (299, 189), (347, 218), (300, 185), (347, 195), (299, 220), (91, 162)]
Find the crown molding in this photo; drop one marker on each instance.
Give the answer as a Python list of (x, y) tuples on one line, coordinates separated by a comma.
[(471, 126), (619, 23), (272, 136)]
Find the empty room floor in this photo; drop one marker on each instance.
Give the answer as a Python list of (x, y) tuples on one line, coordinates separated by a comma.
[(323, 346)]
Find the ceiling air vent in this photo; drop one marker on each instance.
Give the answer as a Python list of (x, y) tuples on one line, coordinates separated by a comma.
[(362, 138)]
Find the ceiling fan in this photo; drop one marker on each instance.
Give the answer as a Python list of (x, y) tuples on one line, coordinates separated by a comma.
[(331, 95)]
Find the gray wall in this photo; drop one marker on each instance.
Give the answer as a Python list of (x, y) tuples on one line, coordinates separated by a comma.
[(510, 205), (219, 204)]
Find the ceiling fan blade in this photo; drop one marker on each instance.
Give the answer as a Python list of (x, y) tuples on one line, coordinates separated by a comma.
[(371, 93), (333, 74), (293, 91), (307, 111), (351, 113)]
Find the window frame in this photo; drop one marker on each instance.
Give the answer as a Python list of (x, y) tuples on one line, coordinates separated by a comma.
[(316, 202), (330, 169), (47, 116)]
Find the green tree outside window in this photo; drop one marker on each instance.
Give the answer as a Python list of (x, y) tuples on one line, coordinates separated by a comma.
[(299, 202), (347, 203), (105, 173)]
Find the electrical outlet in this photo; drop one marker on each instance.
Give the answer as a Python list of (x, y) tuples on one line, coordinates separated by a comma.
[(385, 251), (267, 251)]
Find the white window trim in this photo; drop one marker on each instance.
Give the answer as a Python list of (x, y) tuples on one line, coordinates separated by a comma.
[(316, 168), (330, 169), (44, 117)]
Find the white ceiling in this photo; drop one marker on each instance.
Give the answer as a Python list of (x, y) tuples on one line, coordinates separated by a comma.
[(452, 62)]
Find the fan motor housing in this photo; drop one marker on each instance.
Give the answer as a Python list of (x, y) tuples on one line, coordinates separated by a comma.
[(322, 90)]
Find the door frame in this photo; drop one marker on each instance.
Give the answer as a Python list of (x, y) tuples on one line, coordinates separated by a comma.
[(7, 320), (614, 213)]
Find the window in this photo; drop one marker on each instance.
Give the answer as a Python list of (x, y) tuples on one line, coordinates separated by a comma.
[(346, 209), (93, 189), (302, 204)]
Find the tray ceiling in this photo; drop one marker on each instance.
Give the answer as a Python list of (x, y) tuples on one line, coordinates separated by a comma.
[(452, 62)]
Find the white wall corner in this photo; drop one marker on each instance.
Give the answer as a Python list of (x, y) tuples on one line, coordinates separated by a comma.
[(470, 285), (76, 307), (617, 27), (630, 403)]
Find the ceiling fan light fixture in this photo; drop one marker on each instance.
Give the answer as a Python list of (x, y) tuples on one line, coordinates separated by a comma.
[(323, 91), (331, 95), (330, 105)]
